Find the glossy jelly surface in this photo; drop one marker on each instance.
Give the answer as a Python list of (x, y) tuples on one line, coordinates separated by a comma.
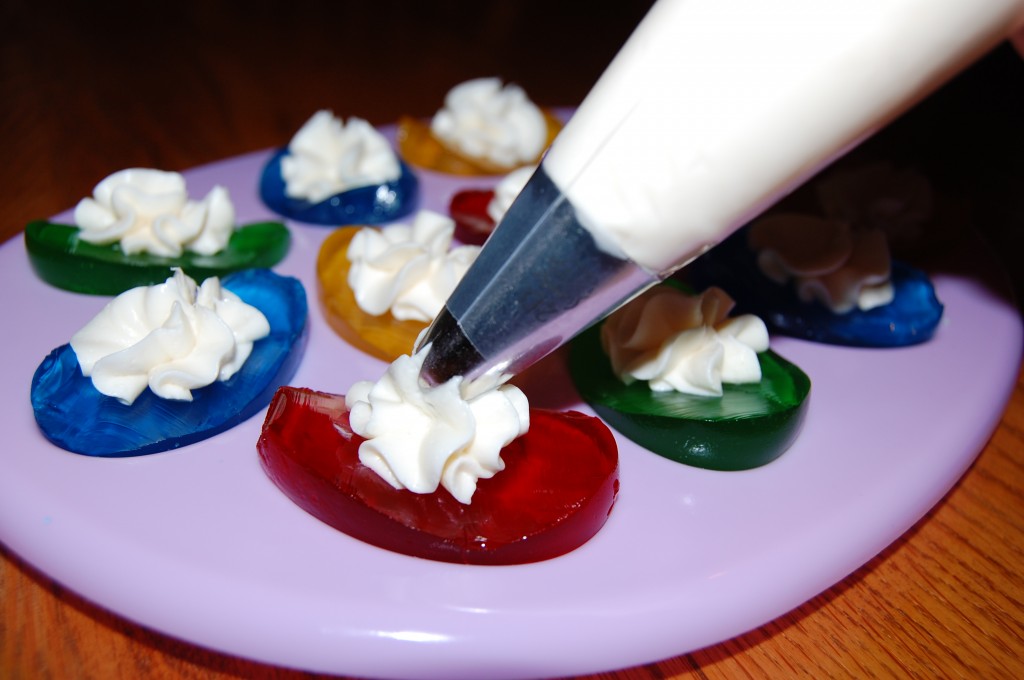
[(418, 145), (61, 259), (384, 336), (372, 204), (556, 491), (72, 414), (748, 426), (911, 318), (469, 210)]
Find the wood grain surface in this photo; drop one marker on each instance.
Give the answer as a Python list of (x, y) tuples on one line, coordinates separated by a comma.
[(90, 88)]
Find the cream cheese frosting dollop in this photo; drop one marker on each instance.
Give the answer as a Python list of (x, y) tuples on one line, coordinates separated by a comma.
[(327, 156), (506, 191), (899, 201), (686, 343), (483, 119), (148, 211), (173, 337), (827, 260), (420, 437), (407, 269)]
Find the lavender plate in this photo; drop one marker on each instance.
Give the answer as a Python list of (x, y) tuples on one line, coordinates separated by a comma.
[(199, 544)]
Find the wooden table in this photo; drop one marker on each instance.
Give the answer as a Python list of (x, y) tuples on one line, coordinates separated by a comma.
[(88, 90)]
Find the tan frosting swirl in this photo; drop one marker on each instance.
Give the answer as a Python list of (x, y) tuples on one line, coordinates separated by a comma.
[(686, 343), (842, 268)]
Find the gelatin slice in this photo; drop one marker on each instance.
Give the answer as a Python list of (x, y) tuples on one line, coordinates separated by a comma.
[(373, 204), (72, 414), (911, 318), (556, 491), (384, 336), (469, 210), (418, 145), (61, 259), (748, 426)]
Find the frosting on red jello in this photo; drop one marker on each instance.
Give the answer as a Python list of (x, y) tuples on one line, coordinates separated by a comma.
[(420, 437), (506, 191)]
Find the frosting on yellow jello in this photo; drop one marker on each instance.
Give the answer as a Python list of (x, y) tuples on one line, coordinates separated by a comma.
[(407, 270), (483, 119), (381, 287), (484, 128)]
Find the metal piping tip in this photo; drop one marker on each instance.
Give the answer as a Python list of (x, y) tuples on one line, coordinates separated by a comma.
[(450, 352), (538, 281)]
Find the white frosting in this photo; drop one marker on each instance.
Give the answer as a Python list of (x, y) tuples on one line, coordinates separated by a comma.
[(843, 268), (407, 269), (506, 191), (715, 108), (326, 157), (685, 343), (173, 337), (419, 437), (148, 211), (878, 196), (482, 119)]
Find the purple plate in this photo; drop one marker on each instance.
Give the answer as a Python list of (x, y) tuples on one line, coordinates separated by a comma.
[(199, 544)]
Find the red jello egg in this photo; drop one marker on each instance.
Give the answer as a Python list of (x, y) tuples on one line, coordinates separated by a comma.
[(469, 210), (557, 489)]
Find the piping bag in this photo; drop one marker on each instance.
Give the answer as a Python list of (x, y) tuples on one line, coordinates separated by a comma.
[(710, 112)]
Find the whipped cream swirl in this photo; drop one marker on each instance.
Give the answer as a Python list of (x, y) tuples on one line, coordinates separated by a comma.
[(685, 343), (148, 211), (878, 196), (482, 119), (420, 437), (407, 269), (841, 267), (327, 156), (173, 337), (506, 191)]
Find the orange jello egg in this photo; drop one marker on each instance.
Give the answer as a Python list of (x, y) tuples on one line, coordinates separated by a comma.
[(384, 336), (419, 146)]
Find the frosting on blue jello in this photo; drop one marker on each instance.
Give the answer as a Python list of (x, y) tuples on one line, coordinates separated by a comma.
[(335, 173), (804, 307), (207, 387)]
